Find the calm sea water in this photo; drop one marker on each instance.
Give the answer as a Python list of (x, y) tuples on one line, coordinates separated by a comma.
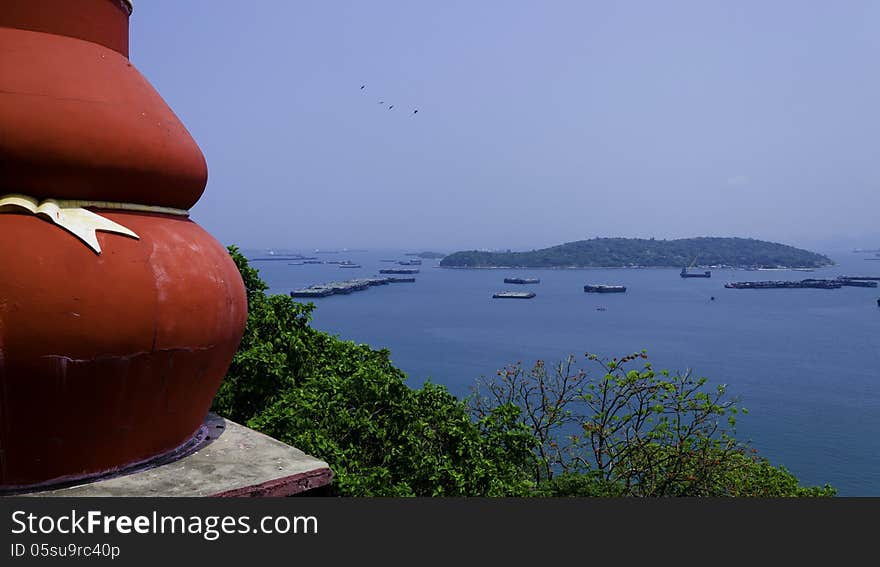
[(804, 362)]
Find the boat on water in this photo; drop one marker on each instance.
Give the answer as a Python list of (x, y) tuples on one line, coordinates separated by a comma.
[(857, 282), (786, 284), (602, 288), (522, 280), (513, 295), (686, 274), (343, 287), (277, 258), (399, 271), (863, 278)]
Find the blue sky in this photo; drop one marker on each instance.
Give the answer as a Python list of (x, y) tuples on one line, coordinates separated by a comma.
[(538, 122)]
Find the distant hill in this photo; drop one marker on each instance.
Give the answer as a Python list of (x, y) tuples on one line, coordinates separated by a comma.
[(624, 252)]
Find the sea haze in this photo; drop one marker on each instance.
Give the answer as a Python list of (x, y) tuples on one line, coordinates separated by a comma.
[(803, 361)]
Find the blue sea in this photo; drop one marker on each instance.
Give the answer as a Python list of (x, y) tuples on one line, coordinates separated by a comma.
[(804, 362)]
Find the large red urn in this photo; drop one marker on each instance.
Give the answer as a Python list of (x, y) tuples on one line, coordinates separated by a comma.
[(119, 315)]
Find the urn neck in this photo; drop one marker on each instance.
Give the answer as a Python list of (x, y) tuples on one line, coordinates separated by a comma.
[(100, 21)]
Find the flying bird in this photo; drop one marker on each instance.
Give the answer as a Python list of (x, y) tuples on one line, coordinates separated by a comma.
[(362, 87), (416, 111), (390, 107)]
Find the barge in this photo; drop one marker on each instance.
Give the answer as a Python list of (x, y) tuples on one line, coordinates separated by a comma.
[(522, 280), (859, 278), (513, 295), (856, 283), (786, 284), (399, 271), (345, 287), (686, 274), (601, 288)]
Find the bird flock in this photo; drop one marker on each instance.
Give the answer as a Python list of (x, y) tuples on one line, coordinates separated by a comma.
[(390, 106)]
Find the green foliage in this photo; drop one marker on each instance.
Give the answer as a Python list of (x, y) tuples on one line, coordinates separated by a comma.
[(619, 252), (384, 439), (349, 406), (741, 476), (632, 432), (545, 431), (753, 476), (271, 352)]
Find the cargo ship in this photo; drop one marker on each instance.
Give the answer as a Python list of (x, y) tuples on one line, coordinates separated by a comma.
[(786, 284), (522, 280), (686, 274), (855, 278), (345, 287), (399, 271), (601, 288), (513, 295), (854, 282)]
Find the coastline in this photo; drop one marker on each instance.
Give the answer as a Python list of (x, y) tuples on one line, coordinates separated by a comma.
[(731, 268)]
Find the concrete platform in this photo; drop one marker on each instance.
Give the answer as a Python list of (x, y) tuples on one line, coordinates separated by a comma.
[(232, 461)]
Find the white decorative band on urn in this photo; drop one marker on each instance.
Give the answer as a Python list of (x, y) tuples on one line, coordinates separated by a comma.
[(72, 215)]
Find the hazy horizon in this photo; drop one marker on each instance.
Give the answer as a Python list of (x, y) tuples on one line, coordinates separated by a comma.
[(537, 124)]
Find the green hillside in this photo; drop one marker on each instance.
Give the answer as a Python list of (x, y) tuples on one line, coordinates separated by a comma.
[(622, 252)]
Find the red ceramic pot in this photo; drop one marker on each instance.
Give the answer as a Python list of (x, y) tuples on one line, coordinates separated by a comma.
[(78, 121), (107, 360)]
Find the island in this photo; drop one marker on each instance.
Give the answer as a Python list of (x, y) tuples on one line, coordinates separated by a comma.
[(711, 252)]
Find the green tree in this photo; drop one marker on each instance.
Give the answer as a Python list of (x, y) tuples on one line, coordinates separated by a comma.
[(632, 432), (272, 350), (348, 405)]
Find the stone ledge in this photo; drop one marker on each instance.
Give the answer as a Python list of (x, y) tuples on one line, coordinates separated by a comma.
[(235, 462)]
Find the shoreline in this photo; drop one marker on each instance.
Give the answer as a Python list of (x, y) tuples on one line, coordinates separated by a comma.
[(731, 268)]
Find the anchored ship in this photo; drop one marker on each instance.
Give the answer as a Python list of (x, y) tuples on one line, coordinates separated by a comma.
[(855, 278), (399, 271), (601, 288), (786, 284), (857, 282), (513, 295), (522, 280), (686, 274), (345, 287)]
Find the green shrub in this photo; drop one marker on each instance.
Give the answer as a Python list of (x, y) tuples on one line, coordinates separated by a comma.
[(349, 406)]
